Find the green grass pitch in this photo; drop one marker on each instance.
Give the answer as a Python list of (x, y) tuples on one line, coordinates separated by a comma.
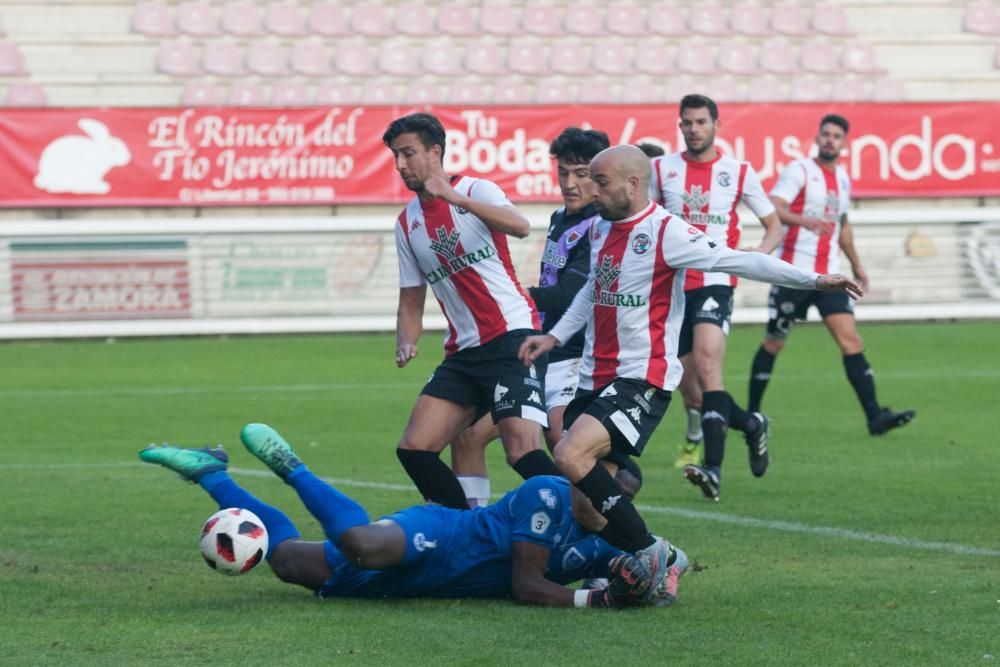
[(852, 550)]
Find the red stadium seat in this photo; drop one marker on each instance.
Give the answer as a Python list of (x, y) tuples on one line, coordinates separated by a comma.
[(819, 56), (696, 57), (267, 58), (765, 89), (709, 19), (981, 17), (676, 87), (749, 18), (201, 94), (423, 91), (570, 58), (440, 57), (737, 58), (283, 17), (527, 56), (611, 57), (808, 89), (497, 17), (597, 91), (196, 17), (371, 19), (888, 90), (25, 94), (830, 19), (241, 17), (290, 93), (469, 92), (11, 62), (663, 18), (506, 91), (484, 58), (153, 18), (246, 93), (629, 20), (554, 91), (788, 18), (780, 57), (330, 19), (177, 58), (310, 57), (398, 58), (455, 18), (336, 91), (224, 59), (641, 90), (545, 20), (415, 19), (586, 20), (376, 91), (860, 58), (355, 57), (724, 89), (658, 62)]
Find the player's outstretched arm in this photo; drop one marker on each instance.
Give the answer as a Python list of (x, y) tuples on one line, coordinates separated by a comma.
[(409, 322), (836, 282), (767, 269), (529, 585), (502, 218)]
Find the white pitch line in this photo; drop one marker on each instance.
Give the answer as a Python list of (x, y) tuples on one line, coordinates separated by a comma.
[(698, 515), (355, 386)]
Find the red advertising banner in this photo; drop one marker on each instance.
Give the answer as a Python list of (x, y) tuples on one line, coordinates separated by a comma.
[(334, 155)]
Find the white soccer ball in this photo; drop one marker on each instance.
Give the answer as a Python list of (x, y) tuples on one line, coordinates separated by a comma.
[(233, 541)]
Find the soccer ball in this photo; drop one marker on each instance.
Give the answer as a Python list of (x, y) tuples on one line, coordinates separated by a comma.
[(233, 541)]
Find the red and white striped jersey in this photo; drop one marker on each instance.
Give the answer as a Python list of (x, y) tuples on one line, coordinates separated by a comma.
[(633, 302), (706, 194), (466, 264), (814, 192)]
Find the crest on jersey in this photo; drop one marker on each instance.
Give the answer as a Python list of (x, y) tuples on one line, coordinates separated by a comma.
[(446, 242), (641, 243), (607, 272), (572, 238), (573, 560), (548, 498), (724, 178), (832, 204), (695, 199)]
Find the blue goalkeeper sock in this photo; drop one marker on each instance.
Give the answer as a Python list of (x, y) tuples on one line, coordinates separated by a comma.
[(228, 493), (335, 511)]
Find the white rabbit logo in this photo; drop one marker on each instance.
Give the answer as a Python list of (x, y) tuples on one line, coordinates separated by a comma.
[(77, 164)]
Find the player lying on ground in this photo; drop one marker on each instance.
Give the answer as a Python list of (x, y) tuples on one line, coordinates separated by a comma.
[(526, 546)]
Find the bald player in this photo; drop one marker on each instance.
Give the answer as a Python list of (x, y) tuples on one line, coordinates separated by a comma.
[(632, 306)]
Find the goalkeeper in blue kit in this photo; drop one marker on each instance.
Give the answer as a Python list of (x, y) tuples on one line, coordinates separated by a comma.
[(525, 546)]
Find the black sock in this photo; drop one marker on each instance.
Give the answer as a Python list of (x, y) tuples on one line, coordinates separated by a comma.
[(610, 535), (625, 526), (760, 375), (714, 421), (863, 381), (435, 481), (740, 419), (535, 463)]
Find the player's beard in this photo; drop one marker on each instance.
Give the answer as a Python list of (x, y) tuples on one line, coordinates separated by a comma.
[(828, 155), (616, 208), (706, 144)]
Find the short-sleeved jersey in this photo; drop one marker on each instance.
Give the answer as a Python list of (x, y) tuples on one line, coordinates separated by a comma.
[(564, 270), (473, 557), (813, 192), (706, 194), (636, 292), (467, 265)]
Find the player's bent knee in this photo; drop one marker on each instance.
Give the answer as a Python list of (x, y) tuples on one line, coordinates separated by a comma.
[(773, 345), (572, 462)]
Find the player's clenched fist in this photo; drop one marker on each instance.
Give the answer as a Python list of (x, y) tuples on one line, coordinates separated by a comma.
[(534, 347), (404, 353)]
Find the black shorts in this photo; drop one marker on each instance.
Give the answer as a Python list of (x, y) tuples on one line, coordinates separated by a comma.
[(491, 378), (629, 409), (785, 305), (713, 305)]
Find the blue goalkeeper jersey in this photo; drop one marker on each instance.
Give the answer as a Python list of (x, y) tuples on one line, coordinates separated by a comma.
[(468, 553)]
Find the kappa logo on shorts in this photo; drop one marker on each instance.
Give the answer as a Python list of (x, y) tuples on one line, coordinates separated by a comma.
[(421, 543), (641, 244), (635, 413), (609, 503), (533, 397), (724, 179), (548, 498)]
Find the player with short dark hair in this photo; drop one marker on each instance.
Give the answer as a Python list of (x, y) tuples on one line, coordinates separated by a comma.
[(632, 308), (812, 196), (453, 236), (651, 150), (526, 546), (565, 265), (704, 187)]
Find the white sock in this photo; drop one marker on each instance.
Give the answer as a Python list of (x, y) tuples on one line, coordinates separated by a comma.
[(477, 489)]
